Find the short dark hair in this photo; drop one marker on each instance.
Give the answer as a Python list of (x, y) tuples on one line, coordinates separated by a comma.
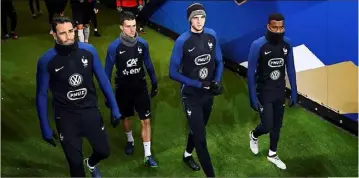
[(126, 15), (276, 17), (60, 20)]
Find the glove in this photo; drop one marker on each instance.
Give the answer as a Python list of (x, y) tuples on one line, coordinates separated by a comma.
[(119, 9), (154, 90), (257, 106), (140, 7), (206, 85), (216, 88), (115, 121), (51, 140)]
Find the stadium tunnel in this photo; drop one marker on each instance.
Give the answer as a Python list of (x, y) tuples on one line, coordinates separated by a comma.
[(325, 53), (324, 34)]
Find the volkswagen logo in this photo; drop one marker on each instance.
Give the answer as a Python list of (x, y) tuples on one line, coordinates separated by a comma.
[(203, 73), (275, 75), (75, 80)]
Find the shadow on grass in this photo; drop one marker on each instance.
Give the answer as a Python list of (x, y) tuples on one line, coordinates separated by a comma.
[(26, 168), (313, 166)]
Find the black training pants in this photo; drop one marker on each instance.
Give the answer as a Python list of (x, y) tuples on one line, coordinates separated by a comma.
[(93, 18), (31, 5), (271, 120), (72, 126), (198, 111), (8, 10), (55, 7)]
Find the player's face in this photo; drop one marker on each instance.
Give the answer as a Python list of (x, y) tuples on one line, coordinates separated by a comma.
[(276, 26), (65, 34), (129, 28), (197, 22)]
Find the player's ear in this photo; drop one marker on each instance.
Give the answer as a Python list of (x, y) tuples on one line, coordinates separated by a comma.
[(54, 35), (121, 27)]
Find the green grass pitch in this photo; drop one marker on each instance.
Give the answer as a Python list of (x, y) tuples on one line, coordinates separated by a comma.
[(309, 145)]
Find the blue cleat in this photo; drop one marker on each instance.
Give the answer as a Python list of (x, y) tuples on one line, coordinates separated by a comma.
[(129, 148), (150, 162), (95, 172)]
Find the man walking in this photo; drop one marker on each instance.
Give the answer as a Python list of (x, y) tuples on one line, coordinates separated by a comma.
[(268, 58)]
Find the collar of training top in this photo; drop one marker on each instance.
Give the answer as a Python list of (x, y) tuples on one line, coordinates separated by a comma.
[(197, 34), (66, 49), (128, 41), (274, 38)]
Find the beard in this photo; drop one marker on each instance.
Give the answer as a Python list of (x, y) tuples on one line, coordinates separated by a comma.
[(66, 43), (197, 29)]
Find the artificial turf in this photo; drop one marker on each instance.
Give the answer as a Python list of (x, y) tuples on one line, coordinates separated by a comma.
[(309, 145)]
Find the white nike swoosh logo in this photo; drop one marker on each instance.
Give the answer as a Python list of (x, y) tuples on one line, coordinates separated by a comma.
[(121, 52), (267, 52), (190, 50), (56, 70)]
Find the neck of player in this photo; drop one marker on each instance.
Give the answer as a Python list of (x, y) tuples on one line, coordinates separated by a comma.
[(65, 49), (273, 37), (193, 30), (127, 40)]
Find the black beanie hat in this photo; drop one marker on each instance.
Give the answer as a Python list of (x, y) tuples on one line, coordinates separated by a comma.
[(195, 9)]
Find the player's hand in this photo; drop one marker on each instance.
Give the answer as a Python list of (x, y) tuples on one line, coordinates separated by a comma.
[(260, 107), (140, 7), (154, 90), (216, 88), (115, 121), (257, 106), (51, 140), (95, 10), (119, 9), (206, 85)]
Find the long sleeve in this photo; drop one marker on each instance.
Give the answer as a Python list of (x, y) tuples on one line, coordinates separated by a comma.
[(292, 74), (148, 63), (42, 86), (111, 59), (175, 63), (104, 83), (219, 61), (252, 66), (219, 57)]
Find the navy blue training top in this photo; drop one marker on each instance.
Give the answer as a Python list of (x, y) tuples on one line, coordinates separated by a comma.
[(196, 57), (69, 76), (266, 70), (129, 62)]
